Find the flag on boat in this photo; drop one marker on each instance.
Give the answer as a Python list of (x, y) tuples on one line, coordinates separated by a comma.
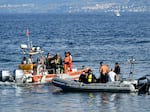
[(27, 32)]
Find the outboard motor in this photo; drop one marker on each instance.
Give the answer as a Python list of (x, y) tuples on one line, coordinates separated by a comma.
[(143, 84), (5, 75), (19, 76)]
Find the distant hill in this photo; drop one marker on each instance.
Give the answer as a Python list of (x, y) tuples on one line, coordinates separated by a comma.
[(73, 6)]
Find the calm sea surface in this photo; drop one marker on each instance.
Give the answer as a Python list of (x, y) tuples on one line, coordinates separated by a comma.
[(90, 39)]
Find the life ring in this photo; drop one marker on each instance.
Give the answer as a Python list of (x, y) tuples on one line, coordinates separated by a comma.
[(40, 69)]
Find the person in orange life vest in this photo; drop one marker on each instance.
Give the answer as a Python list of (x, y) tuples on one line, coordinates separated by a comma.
[(67, 62), (70, 65)]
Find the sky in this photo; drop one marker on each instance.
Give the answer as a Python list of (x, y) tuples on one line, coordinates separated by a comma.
[(72, 6)]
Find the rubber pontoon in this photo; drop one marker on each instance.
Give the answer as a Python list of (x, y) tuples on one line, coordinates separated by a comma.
[(114, 87)]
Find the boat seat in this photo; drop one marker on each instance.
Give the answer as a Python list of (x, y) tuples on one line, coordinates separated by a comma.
[(26, 66)]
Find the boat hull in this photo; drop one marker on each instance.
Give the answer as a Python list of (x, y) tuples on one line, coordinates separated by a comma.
[(75, 86), (48, 77), (32, 73)]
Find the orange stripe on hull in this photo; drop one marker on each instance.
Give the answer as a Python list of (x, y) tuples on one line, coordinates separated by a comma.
[(37, 78), (50, 75), (77, 72), (48, 78)]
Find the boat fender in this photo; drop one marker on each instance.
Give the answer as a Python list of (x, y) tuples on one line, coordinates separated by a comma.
[(40, 69)]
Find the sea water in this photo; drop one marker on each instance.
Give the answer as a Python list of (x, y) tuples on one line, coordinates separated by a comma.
[(91, 38)]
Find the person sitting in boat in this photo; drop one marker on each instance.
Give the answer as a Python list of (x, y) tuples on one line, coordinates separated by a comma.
[(83, 77), (67, 61), (24, 60), (112, 76), (91, 77), (87, 77), (103, 73), (57, 63)]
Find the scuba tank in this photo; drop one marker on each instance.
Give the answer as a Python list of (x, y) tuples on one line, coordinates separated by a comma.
[(89, 78)]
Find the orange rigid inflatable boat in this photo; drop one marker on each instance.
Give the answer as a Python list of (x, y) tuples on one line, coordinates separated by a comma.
[(34, 72)]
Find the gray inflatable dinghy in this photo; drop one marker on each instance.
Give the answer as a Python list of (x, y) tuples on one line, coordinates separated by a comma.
[(114, 87)]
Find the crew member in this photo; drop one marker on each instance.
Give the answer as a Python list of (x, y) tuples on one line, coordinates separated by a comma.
[(112, 76), (117, 68), (30, 59), (24, 60), (91, 77), (67, 62), (70, 65), (103, 72), (83, 77), (57, 63)]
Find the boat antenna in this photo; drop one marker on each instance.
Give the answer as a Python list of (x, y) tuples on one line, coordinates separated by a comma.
[(132, 62), (29, 42)]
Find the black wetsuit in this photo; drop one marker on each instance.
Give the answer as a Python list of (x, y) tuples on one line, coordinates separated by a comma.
[(117, 70)]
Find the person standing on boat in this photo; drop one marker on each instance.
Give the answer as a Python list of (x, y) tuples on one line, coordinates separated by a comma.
[(49, 63), (103, 72), (41, 60), (112, 76), (57, 63), (48, 59), (67, 62), (117, 68), (24, 60), (30, 59), (70, 66)]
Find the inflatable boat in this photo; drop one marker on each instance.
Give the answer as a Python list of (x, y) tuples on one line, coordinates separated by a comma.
[(116, 86), (36, 72), (22, 76)]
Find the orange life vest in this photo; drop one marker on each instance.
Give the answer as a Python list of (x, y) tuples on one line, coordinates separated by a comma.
[(67, 62)]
